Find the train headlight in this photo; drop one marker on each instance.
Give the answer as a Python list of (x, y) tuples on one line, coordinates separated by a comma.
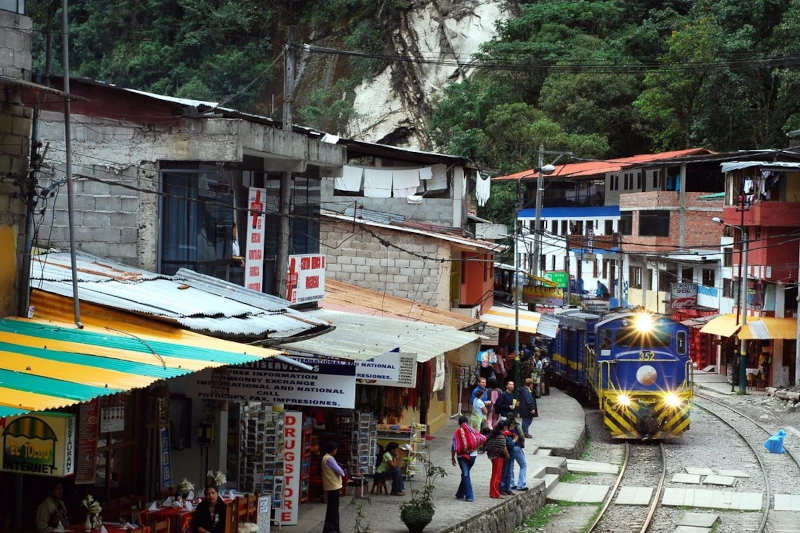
[(644, 322), (624, 400), (672, 400)]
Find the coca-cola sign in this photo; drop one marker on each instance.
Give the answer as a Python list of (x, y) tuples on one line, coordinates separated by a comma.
[(683, 295)]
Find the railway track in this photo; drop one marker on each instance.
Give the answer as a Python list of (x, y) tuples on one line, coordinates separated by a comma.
[(753, 434), (637, 469)]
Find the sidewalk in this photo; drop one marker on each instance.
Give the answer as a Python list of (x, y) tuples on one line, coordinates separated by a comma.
[(560, 426), (718, 383)]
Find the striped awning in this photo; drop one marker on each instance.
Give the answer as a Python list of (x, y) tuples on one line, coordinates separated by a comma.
[(763, 328), (504, 318), (47, 365)]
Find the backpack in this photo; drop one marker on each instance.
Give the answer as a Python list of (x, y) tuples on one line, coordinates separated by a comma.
[(471, 441)]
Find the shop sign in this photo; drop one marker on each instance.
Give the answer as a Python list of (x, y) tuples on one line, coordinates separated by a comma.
[(86, 460), (683, 295), (438, 378), (256, 220), (392, 369), (330, 383), (165, 464), (306, 280), (292, 466), (536, 294), (41, 444), (112, 419), (559, 277)]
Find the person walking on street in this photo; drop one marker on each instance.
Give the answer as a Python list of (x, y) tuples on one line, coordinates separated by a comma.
[(479, 410), (527, 407), (518, 456), (493, 392), (481, 386), (466, 442), (506, 403), (539, 366), (332, 475), (497, 452), (547, 372)]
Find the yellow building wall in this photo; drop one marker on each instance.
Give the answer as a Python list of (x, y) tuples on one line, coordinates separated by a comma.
[(655, 300), (792, 187), (8, 270)]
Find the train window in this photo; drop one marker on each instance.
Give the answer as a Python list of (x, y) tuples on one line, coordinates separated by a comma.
[(629, 336), (681, 343), (605, 339)]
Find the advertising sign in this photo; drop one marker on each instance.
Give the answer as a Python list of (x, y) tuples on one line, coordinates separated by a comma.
[(254, 260), (543, 295), (328, 384), (86, 461), (40, 444), (683, 295), (559, 277), (392, 369), (292, 466), (165, 470), (306, 280)]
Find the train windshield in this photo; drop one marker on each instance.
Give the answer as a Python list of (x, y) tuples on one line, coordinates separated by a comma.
[(632, 337)]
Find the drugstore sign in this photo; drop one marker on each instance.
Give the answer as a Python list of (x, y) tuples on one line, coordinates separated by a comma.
[(42, 445)]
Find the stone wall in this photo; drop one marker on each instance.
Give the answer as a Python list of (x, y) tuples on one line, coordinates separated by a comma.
[(508, 516), (356, 256)]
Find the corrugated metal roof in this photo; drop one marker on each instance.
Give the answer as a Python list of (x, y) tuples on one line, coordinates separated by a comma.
[(360, 337), (48, 365), (198, 302), (505, 318), (766, 165), (594, 168), (360, 300)]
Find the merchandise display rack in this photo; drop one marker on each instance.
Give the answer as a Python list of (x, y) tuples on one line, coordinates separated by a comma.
[(261, 458), (305, 468), (413, 435), (363, 451)]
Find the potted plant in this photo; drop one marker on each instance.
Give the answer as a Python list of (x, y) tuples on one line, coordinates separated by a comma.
[(185, 488), (93, 510), (217, 478), (418, 512)]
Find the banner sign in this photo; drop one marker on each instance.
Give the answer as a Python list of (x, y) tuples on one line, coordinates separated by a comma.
[(329, 383), (559, 277), (543, 295), (292, 466), (38, 444), (254, 261), (165, 470), (683, 295), (306, 280), (86, 461), (392, 369)]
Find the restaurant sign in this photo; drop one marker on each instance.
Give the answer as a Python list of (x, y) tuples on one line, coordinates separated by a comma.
[(329, 383), (683, 295), (392, 369), (536, 294), (40, 444)]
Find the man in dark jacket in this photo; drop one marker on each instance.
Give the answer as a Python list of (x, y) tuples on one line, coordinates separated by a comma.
[(505, 403), (527, 407)]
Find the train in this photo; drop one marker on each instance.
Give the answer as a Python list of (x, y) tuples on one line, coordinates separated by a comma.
[(635, 365)]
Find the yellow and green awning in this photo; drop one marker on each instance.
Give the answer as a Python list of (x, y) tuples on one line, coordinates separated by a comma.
[(47, 364)]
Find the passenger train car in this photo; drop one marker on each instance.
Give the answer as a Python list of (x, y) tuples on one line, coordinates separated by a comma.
[(636, 365)]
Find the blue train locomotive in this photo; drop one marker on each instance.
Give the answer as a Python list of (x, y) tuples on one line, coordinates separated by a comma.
[(636, 365)]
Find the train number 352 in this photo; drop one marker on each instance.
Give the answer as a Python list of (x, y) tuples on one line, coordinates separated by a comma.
[(647, 356)]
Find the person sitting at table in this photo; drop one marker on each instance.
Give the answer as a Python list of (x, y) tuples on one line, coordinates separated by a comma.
[(52, 510), (389, 468), (209, 517)]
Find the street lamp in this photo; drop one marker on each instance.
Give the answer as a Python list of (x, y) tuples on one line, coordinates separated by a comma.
[(742, 305), (541, 170)]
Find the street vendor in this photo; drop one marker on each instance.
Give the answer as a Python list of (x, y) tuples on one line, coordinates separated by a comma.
[(52, 510)]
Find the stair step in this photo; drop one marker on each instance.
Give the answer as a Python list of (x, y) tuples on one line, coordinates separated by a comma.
[(550, 481), (544, 452)]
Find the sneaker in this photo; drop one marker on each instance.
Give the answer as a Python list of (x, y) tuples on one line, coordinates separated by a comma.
[(524, 489), (509, 493), (401, 493), (468, 500), (528, 436), (459, 497), (513, 487)]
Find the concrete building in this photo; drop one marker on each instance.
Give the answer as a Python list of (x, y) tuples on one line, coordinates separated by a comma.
[(431, 265), (162, 182)]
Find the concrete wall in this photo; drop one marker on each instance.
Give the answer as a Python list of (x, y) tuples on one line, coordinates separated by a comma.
[(15, 45), (355, 256)]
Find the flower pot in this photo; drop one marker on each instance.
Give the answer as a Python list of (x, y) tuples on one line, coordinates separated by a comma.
[(416, 518), (88, 524)]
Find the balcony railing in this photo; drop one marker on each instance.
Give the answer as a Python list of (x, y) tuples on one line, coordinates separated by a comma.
[(598, 242)]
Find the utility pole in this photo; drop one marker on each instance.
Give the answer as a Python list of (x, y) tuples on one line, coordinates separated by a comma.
[(743, 295), (517, 296), (569, 271), (282, 256), (76, 303), (537, 234), (797, 347)]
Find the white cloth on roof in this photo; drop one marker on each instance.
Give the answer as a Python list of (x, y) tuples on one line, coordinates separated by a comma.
[(483, 189), (425, 173), (414, 199), (350, 180), (377, 183), (405, 182), (438, 181)]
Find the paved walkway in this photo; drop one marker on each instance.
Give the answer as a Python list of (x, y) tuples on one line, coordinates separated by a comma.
[(561, 426), (719, 383)]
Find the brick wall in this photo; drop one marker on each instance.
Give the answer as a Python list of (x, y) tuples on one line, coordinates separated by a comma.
[(354, 256)]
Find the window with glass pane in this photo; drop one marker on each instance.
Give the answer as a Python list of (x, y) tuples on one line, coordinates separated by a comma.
[(626, 223), (654, 223), (708, 277)]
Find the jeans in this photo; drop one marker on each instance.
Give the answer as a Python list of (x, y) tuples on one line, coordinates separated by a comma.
[(396, 476), (332, 513), (465, 487), (497, 471), (526, 425), (506, 477), (519, 457)]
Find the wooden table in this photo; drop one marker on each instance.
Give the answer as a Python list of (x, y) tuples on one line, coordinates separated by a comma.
[(180, 520)]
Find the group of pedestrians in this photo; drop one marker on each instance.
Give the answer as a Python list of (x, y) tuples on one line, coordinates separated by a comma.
[(492, 428)]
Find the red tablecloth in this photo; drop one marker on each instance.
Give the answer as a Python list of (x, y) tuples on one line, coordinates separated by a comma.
[(111, 528)]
